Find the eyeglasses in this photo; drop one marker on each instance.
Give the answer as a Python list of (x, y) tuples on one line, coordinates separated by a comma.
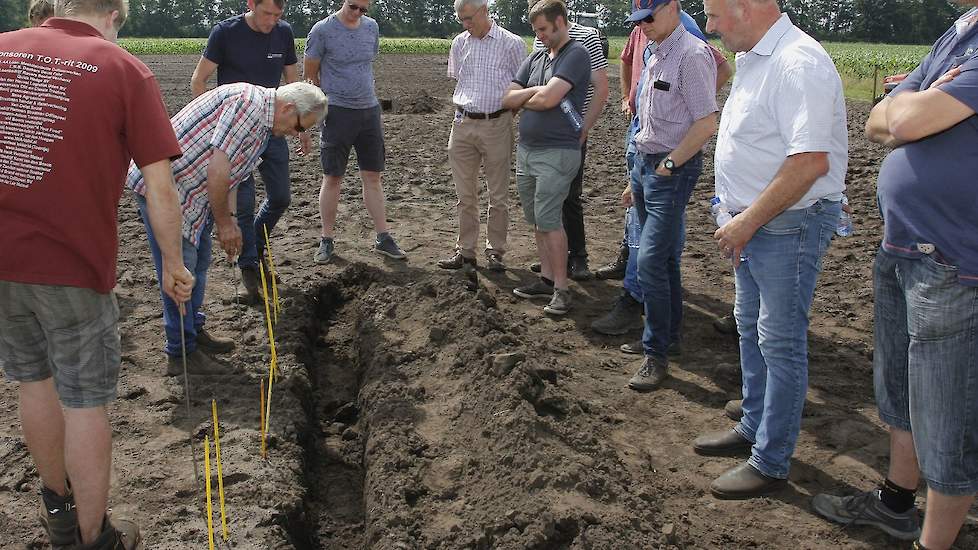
[(298, 124), (469, 18), (651, 18), (361, 9)]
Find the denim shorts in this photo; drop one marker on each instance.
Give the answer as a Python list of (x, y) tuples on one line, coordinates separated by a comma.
[(925, 365), (543, 179), (69, 333), (345, 129)]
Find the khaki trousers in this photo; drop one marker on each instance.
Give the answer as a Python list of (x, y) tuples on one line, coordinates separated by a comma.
[(487, 142)]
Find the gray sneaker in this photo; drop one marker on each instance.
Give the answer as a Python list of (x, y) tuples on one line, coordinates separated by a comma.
[(385, 245), (560, 302), (537, 289), (867, 509), (650, 375), (325, 253)]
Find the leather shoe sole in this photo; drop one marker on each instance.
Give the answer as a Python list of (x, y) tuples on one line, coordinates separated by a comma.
[(743, 482), (728, 443)]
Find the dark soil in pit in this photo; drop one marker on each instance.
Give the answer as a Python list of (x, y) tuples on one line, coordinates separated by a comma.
[(414, 412)]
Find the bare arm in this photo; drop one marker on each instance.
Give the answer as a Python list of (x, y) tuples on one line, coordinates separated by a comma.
[(198, 82), (699, 133), (724, 72), (218, 187), (793, 180), (516, 96), (165, 219), (599, 79), (310, 70), (916, 115), (548, 96), (877, 127), (625, 82), (291, 73)]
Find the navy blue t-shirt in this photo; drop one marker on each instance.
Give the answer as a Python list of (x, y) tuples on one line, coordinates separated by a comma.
[(246, 55), (928, 189)]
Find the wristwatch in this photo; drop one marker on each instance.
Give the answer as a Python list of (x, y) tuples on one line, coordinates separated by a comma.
[(669, 164)]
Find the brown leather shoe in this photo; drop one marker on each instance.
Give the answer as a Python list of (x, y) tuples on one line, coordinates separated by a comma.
[(745, 481), (212, 343), (734, 409), (198, 362), (456, 262), (726, 443)]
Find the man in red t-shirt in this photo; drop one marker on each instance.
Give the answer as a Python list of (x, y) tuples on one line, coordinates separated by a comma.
[(74, 108)]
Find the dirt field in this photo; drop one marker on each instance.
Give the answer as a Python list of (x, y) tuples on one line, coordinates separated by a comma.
[(413, 412)]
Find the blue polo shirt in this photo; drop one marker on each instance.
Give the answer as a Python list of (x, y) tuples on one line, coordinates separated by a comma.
[(246, 55), (928, 189)]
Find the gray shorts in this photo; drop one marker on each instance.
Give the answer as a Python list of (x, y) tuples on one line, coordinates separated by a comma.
[(69, 333), (345, 129), (543, 178)]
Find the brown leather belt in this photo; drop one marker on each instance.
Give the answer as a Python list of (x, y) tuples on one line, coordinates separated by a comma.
[(481, 116)]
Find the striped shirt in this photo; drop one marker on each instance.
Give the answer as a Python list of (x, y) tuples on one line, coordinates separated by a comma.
[(588, 37), (237, 119), (683, 64), (484, 68)]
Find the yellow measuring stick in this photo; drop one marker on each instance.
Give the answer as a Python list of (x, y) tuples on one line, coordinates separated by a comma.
[(210, 509), (261, 419), (268, 403), (268, 319), (271, 265), (220, 472)]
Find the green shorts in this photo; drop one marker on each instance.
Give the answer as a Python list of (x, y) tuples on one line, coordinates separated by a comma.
[(69, 333), (543, 178)]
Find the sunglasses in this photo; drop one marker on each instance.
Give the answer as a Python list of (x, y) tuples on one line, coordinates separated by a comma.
[(354, 7), (651, 18), (298, 124)]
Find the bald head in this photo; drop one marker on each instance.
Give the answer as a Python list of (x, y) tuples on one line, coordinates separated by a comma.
[(740, 23)]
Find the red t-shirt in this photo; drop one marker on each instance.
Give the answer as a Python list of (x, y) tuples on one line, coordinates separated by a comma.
[(74, 108)]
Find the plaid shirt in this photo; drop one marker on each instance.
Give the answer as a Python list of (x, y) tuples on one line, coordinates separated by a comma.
[(664, 116), (484, 68), (237, 119)]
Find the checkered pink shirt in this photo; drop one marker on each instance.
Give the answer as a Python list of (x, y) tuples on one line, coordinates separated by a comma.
[(484, 68), (686, 64)]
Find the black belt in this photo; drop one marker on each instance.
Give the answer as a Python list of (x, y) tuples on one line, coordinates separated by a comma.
[(481, 116)]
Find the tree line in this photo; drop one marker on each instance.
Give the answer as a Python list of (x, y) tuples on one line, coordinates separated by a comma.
[(891, 21)]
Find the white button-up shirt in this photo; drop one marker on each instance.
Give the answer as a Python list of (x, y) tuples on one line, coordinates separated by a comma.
[(786, 98)]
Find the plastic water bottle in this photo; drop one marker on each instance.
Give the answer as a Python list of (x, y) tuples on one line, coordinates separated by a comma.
[(633, 228), (572, 115), (720, 212), (722, 217), (844, 229)]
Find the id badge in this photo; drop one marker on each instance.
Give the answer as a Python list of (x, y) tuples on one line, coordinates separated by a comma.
[(458, 116)]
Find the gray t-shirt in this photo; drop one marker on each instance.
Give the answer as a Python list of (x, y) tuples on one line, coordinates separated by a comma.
[(346, 58), (551, 128)]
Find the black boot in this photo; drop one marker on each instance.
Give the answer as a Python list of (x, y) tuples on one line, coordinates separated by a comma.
[(616, 269)]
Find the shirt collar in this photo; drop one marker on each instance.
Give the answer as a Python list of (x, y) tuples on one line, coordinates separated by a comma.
[(665, 48), (72, 25), (769, 42), (964, 24)]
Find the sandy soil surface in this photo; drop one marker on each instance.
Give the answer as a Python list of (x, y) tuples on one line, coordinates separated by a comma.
[(413, 412)]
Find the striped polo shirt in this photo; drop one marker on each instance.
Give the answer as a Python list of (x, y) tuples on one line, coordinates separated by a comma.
[(237, 119), (588, 37)]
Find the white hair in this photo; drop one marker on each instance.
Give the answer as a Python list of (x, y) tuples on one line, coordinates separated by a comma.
[(306, 97), (476, 3)]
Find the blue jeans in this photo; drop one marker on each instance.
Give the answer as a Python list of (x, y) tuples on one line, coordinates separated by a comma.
[(774, 293), (274, 170), (661, 208), (196, 259), (925, 365)]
